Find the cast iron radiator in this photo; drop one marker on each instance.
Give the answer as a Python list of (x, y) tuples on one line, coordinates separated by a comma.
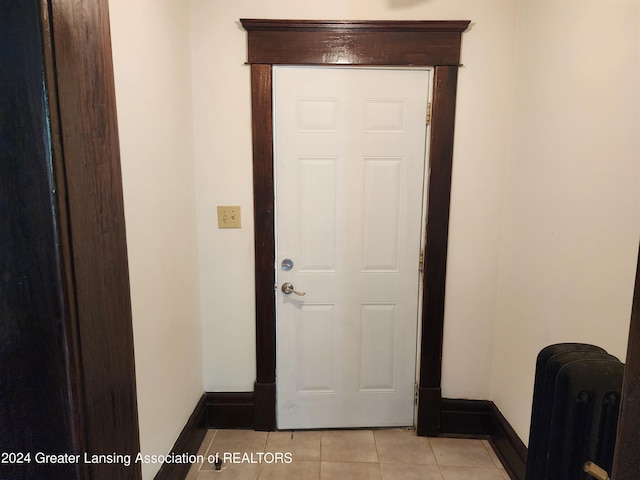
[(576, 399)]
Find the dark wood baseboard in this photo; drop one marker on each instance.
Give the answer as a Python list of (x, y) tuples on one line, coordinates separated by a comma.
[(508, 446), (230, 410), (482, 418), (465, 417), (189, 442)]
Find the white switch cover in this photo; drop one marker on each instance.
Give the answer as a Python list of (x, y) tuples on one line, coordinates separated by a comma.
[(229, 217)]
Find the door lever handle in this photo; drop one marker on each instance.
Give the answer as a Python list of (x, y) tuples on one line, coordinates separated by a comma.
[(287, 289)]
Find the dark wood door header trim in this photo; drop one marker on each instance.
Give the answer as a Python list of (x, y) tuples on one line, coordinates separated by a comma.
[(341, 42), (333, 43), (253, 25)]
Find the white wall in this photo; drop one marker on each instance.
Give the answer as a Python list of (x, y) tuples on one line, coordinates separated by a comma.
[(151, 53), (223, 156), (545, 207), (572, 209)]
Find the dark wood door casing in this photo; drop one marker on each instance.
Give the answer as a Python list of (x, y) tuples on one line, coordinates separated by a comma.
[(350, 43), (87, 165), (67, 361)]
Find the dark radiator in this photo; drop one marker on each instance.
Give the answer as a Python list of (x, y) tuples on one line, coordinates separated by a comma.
[(576, 399)]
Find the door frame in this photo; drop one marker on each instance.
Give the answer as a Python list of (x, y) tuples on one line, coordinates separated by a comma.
[(350, 43), (93, 246)]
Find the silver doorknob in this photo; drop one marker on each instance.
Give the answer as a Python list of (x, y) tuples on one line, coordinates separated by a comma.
[(287, 289)]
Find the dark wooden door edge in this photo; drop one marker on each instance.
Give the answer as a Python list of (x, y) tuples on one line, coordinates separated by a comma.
[(93, 250), (376, 43)]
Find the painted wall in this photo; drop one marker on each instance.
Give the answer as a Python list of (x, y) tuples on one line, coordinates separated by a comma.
[(544, 197), (543, 136), (223, 158), (152, 59), (572, 205)]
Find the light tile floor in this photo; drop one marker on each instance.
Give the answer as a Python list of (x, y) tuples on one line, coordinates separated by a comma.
[(390, 454)]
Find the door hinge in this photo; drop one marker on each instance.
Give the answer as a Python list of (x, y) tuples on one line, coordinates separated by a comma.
[(421, 262), (429, 109), (415, 393)]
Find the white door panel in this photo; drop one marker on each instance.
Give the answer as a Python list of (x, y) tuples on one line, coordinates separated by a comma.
[(350, 155)]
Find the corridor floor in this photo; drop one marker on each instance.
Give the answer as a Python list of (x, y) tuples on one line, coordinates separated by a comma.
[(390, 454)]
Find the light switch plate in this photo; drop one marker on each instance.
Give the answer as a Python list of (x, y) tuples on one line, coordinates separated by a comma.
[(229, 217)]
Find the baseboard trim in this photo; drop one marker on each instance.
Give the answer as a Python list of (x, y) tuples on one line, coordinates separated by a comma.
[(465, 418), (508, 446), (230, 410), (482, 418), (188, 442)]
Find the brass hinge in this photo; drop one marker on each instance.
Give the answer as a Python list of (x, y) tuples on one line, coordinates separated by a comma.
[(421, 262), (429, 109), (415, 393)]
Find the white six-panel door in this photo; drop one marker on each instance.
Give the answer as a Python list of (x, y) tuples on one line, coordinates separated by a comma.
[(350, 155)]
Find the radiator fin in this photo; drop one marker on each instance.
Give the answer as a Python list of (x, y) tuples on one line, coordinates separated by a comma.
[(576, 401)]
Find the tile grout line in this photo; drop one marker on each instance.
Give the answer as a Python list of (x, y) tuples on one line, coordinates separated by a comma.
[(205, 451), (378, 439), (320, 458), (320, 469), (264, 448), (435, 457), (375, 442), (492, 454)]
